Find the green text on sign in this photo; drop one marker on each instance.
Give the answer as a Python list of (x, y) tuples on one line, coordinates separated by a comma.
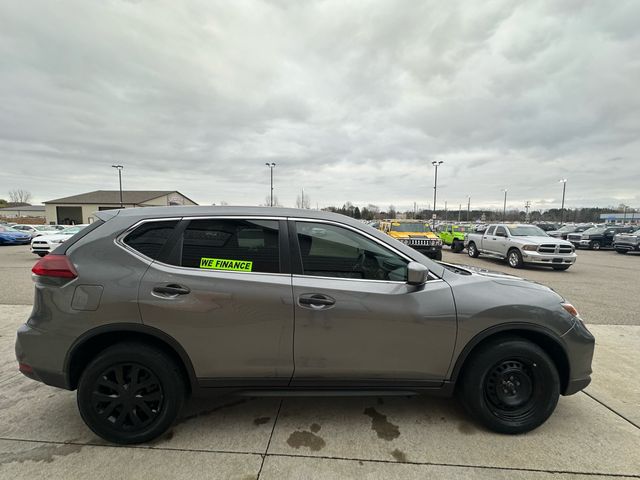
[(226, 264)]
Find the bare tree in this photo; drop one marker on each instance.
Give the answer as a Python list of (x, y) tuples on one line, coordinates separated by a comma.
[(267, 201), (303, 202), (19, 196)]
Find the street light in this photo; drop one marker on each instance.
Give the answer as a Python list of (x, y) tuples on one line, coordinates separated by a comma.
[(271, 166), (564, 187), (468, 206), (435, 189), (119, 167), (504, 207)]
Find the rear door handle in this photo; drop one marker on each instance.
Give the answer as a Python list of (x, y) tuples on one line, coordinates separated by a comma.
[(172, 289), (316, 301)]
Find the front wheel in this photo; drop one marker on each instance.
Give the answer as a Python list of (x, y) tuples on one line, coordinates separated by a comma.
[(595, 245), (510, 385), (436, 255), (41, 254), (472, 250), (457, 246), (621, 251), (561, 267), (514, 257), (130, 393)]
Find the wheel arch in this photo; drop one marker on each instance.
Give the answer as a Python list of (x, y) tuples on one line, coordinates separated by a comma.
[(540, 336), (92, 342)]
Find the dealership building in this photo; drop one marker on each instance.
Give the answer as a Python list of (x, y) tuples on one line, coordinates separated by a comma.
[(24, 211), (81, 208)]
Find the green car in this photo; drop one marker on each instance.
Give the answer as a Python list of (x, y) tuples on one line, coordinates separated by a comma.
[(453, 235)]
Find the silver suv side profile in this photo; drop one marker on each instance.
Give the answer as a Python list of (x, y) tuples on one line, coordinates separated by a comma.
[(146, 307)]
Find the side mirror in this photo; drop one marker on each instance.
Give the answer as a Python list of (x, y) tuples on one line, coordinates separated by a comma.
[(417, 273)]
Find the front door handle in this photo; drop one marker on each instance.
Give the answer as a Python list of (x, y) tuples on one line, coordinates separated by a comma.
[(172, 289), (316, 301)]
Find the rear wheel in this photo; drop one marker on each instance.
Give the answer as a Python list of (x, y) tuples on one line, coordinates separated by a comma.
[(472, 250), (130, 393), (457, 246), (514, 257), (510, 385)]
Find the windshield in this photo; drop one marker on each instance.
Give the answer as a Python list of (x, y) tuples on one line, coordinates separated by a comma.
[(591, 231), (410, 227), (71, 230), (527, 231), (45, 228), (9, 229), (567, 228)]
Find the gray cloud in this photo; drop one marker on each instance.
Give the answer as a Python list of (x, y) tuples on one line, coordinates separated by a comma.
[(352, 101)]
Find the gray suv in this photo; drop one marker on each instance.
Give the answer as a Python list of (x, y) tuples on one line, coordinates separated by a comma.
[(148, 306)]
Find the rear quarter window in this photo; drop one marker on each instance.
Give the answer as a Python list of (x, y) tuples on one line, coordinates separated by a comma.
[(149, 237)]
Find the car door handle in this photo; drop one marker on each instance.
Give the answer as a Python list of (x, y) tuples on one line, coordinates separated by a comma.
[(172, 289), (316, 300)]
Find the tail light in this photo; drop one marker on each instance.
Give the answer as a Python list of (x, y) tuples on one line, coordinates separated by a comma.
[(55, 266)]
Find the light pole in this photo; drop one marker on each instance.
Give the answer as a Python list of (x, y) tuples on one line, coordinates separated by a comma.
[(468, 206), (504, 207), (435, 189), (564, 188), (271, 166), (119, 167)]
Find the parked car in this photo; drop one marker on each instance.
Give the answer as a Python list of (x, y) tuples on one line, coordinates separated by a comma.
[(567, 229), (627, 242), (45, 244), (36, 230), (415, 233), (148, 305), (520, 245), (597, 237), (453, 236), (11, 236)]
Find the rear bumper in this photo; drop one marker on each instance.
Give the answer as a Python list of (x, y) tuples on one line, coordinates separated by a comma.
[(34, 350)]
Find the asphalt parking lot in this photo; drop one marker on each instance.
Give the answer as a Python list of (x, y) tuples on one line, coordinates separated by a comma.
[(593, 434)]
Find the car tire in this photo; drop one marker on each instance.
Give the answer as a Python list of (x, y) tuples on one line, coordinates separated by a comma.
[(561, 267), (41, 254), (514, 258), (621, 251), (436, 256), (595, 245), (472, 250), (457, 246), (510, 385), (120, 412)]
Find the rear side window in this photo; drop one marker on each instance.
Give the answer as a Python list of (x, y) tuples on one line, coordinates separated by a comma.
[(232, 245), (150, 237)]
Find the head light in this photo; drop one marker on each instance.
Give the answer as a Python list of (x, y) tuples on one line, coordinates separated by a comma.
[(530, 247)]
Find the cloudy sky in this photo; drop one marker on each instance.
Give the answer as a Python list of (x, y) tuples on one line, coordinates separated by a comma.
[(351, 100)]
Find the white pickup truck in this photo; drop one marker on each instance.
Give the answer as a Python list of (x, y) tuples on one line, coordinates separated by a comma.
[(521, 244)]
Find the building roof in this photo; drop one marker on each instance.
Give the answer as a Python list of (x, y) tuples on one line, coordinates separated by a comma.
[(25, 208), (134, 197)]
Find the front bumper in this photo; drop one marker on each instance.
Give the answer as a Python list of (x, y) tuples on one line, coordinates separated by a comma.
[(550, 259), (579, 346), (629, 247)]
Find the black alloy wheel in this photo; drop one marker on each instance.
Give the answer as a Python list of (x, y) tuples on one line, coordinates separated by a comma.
[(128, 396), (131, 393)]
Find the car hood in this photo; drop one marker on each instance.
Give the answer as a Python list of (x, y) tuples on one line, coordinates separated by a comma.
[(502, 278), (15, 234), (54, 237), (539, 240)]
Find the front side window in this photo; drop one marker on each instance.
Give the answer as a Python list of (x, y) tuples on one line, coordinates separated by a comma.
[(500, 231), (232, 245), (332, 251), (148, 238)]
